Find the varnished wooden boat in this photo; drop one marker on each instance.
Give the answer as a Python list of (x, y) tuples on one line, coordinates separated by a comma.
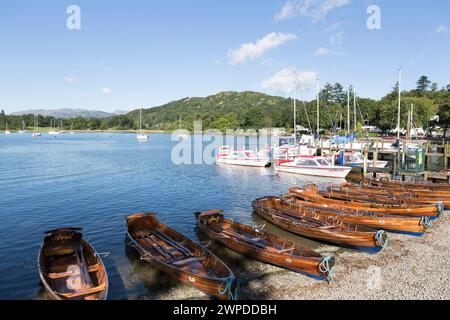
[(414, 197), (312, 194), (424, 186), (399, 190), (263, 246), (178, 256), (70, 268), (362, 217), (312, 224)]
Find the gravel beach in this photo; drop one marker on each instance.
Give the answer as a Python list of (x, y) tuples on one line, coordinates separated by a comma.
[(411, 267)]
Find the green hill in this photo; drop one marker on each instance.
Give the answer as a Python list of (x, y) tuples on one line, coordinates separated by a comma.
[(232, 110)]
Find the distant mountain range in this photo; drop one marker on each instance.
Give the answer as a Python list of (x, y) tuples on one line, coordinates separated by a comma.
[(71, 113)]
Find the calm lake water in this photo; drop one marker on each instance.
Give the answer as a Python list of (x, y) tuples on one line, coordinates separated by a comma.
[(92, 181)]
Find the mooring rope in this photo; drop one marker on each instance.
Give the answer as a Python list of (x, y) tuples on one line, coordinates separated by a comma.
[(324, 267), (426, 222), (441, 208), (380, 239), (228, 287)]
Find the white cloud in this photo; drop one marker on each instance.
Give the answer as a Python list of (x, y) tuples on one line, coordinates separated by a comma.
[(337, 39), (315, 9), (442, 29), (332, 27), (322, 51), (70, 80), (282, 81), (288, 10), (253, 50), (106, 91)]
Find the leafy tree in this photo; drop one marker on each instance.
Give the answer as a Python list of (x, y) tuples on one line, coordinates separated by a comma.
[(227, 122), (423, 84)]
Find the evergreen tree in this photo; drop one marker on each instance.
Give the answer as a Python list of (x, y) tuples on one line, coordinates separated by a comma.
[(423, 84)]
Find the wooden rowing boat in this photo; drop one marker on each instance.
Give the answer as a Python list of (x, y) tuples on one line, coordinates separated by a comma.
[(414, 197), (263, 246), (178, 256), (440, 187), (315, 225), (70, 268), (400, 190), (312, 194), (366, 218)]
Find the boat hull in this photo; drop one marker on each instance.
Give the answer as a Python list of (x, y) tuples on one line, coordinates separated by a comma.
[(310, 263), (245, 163), (333, 172), (365, 218), (311, 195), (355, 236), (53, 283), (196, 274), (412, 197)]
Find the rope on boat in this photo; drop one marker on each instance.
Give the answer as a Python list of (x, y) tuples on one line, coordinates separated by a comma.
[(381, 241), (324, 267), (228, 287), (441, 208), (426, 222)]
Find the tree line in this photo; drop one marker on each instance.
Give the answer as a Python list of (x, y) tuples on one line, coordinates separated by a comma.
[(253, 110)]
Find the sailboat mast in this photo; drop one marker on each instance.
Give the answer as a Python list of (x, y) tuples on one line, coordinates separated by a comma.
[(399, 101), (295, 106), (348, 111), (354, 110), (318, 108)]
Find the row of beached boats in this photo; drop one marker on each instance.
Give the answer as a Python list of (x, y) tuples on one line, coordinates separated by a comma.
[(351, 216)]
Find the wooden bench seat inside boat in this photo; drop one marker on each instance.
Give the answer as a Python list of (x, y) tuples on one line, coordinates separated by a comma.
[(60, 275), (187, 261), (60, 249), (88, 292)]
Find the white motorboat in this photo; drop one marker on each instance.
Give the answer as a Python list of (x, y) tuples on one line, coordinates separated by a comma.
[(290, 152), (242, 158), (312, 166), (356, 159), (141, 136)]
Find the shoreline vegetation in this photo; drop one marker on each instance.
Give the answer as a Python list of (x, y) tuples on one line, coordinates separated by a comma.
[(253, 111)]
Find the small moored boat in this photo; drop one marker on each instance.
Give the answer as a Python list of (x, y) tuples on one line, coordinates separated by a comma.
[(258, 244), (356, 159), (246, 158), (178, 256), (312, 166), (312, 224), (70, 268)]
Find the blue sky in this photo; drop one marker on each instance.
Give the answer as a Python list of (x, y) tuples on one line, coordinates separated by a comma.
[(145, 53)]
